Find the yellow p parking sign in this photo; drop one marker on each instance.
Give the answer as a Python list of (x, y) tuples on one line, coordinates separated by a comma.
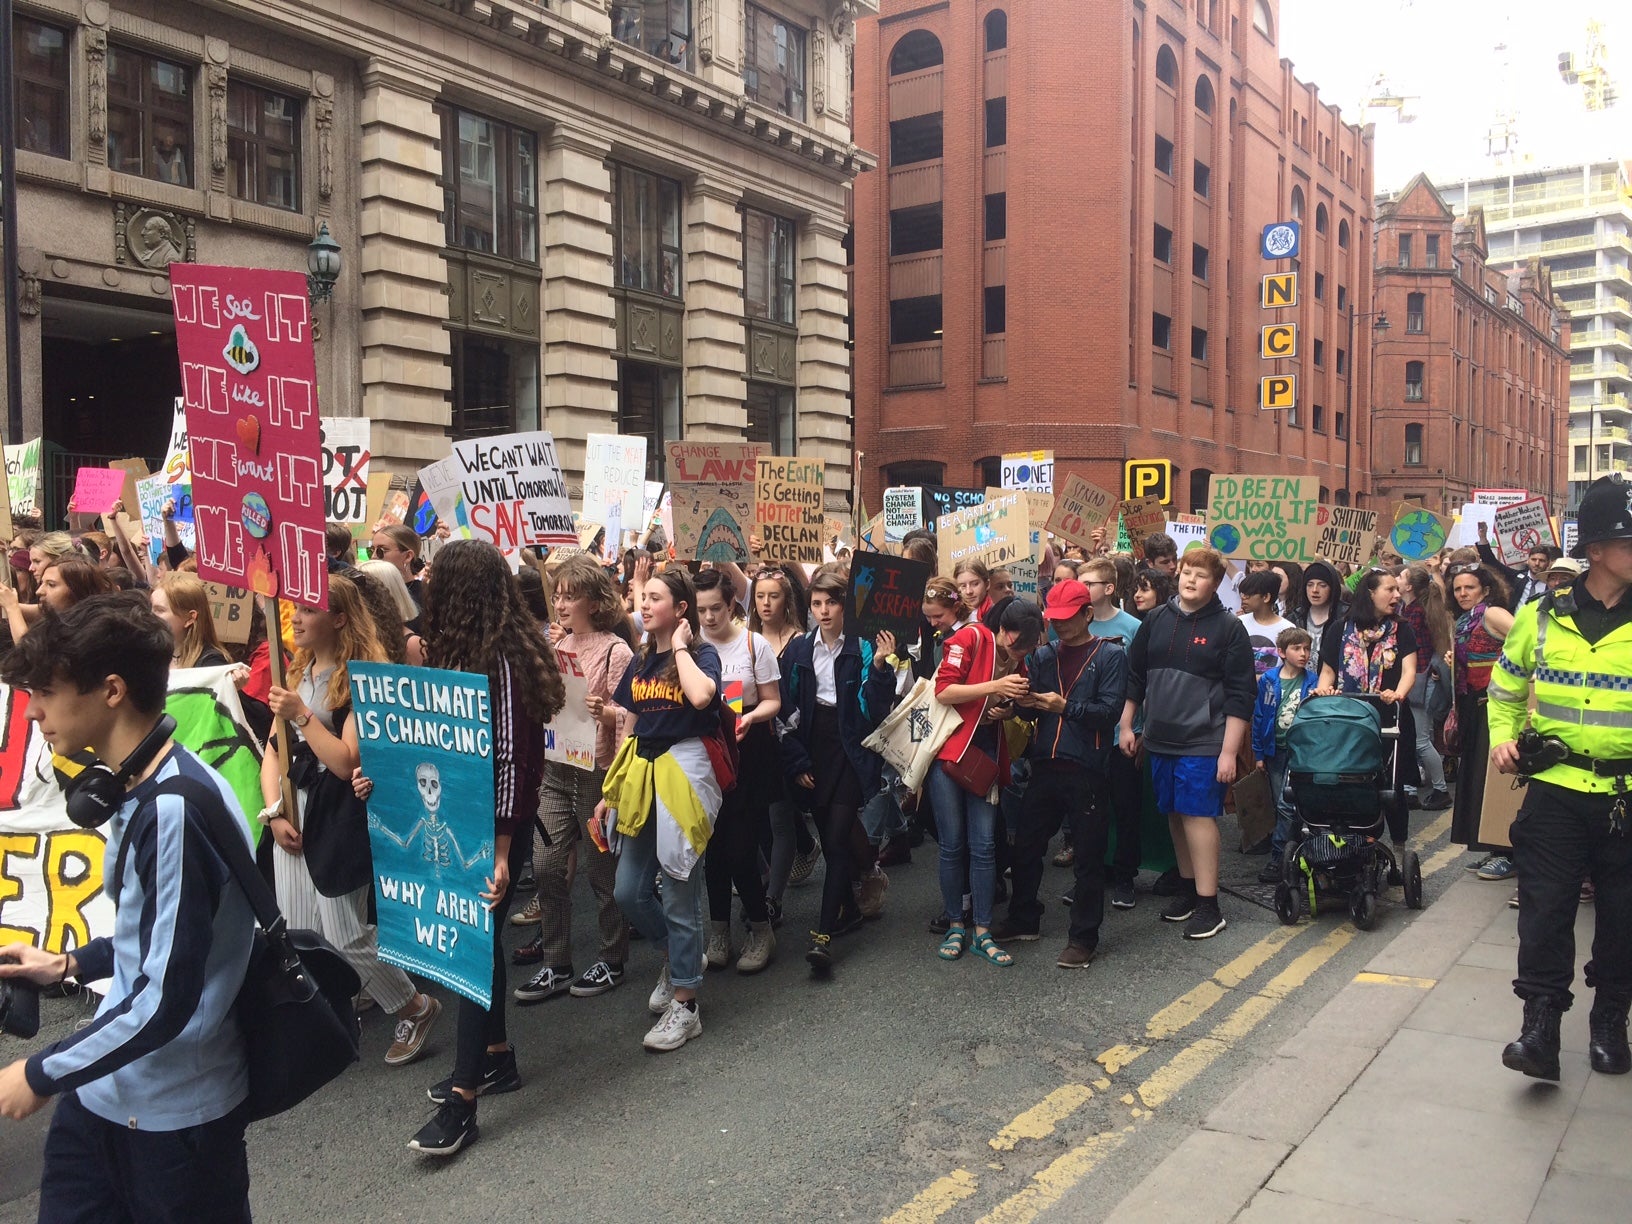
[(1278, 391), (1148, 478)]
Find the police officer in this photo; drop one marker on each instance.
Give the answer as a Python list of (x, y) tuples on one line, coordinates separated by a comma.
[(1575, 644)]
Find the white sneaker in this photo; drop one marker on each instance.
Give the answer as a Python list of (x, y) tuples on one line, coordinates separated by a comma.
[(662, 993), (678, 1026)]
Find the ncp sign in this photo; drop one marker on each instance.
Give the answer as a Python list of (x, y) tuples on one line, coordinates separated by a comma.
[(1148, 478)]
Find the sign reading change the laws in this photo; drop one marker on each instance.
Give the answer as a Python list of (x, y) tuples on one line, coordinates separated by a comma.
[(506, 490), (1264, 518), (250, 388), (788, 510), (427, 745)]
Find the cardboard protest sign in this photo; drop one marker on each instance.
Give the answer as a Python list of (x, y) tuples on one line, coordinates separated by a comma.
[(942, 499), (1569, 535), (1499, 497), (887, 594), (1028, 471), (1039, 508), (177, 468), (993, 533), (1417, 532), (232, 609), (1520, 527), (691, 462), (1347, 534), (427, 744), (1023, 577), (23, 477), (1142, 516), (507, 490), (1079, 508), (250, 388), (615, 472), (788, 510), (346, 461), (96, 489), (152, 495), (903, 512), (6, 529), (1264, 518), (711, 520), (569, 738), (134, 470)]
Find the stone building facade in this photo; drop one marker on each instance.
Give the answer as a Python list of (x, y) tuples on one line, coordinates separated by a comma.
[(582, 216)]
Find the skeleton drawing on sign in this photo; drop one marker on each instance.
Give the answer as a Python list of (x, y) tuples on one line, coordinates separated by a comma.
[(440, 846)]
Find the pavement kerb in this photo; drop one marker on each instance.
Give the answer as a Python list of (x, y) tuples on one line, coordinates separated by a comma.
[(1213, 1175)]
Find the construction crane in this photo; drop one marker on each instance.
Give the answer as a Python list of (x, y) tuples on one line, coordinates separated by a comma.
[(1381, 97), (1591, 71), (1502, 137)]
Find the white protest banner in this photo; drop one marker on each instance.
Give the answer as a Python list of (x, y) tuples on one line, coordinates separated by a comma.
[(152, 494), (1499, 497), (23, 477), (1569, 535), (1188, 535), (1079, 509), (903, 512), (1029, 471), (614, 471), (654, 498), (569, 739), (346, 457), (178, 468), (1466, 532), (507, 490), (1518, 528)]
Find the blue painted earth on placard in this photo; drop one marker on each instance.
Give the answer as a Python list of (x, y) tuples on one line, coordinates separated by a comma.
[(1417, 534), (1226, 537)]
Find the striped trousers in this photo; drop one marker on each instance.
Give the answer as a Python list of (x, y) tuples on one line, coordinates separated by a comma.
[(343, 922), (567, 800)]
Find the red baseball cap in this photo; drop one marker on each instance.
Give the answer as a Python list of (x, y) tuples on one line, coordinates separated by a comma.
[(1066, 599)]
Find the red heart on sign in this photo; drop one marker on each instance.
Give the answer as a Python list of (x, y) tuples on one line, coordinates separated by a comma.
[(249, 433)]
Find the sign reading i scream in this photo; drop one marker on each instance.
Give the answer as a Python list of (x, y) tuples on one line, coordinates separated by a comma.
[(249, 385)]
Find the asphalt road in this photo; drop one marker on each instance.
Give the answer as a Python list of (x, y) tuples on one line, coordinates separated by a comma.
[(905, 1088)]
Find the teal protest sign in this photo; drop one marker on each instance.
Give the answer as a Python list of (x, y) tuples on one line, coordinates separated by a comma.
[(426, 736)]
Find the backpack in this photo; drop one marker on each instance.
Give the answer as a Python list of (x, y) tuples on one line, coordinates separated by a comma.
[(721, 744)]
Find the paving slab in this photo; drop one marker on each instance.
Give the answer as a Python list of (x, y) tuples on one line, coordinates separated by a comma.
[(1278, 1207), (1203, 1181), (1289, 1094), (1579, 1198)]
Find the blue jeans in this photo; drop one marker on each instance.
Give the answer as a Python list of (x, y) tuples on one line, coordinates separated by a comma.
[(675, 926), (1286, 816), (964, 822)]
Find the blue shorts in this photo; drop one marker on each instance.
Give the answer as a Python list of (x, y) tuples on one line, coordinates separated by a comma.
[(1187, 785)]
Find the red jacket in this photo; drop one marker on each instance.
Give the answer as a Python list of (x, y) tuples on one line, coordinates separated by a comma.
[(969, 656)]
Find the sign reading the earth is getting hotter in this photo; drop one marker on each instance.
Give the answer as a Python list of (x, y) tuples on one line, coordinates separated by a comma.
[(1264, 518)]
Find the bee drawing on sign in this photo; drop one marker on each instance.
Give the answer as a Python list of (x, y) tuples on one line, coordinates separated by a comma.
[(440, 846)]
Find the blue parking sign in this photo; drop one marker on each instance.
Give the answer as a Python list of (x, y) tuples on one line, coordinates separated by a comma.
[(1281, 240)]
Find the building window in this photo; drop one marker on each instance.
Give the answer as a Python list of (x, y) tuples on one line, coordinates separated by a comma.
[(1161, 331), (657, 27), (41, 53), (647, 225), (997, 122), (1201, 179), (1414, 311), (917, 50), (1320, 354), (1320, 218), (996, 309), (1342, 361), (1292, 417), (263, 146), (649, 407), (1167, 68), (1343, 234), (1580, 457), (771, 417), (767, 268), (915, 140), (997, 216), (1198, 343), (495, 385), (1261, 20), (1204, 95), (997, 30), (1405, 250), (1430, 255), (1162, 244), (1320, 286), (773, 63), (1198, 261), (491, 203), (1413, 380), (915, 229), (150, 117), (1413, 444), (1340, 425), (1164, 155), (915, 320), (1297, 203), (1342, 299), (1317, 418)]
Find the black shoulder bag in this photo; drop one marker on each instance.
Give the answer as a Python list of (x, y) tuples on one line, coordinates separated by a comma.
[(296, 1004)]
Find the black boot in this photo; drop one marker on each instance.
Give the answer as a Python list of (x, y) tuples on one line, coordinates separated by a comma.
[(1536, 1051), (1610, 1055)]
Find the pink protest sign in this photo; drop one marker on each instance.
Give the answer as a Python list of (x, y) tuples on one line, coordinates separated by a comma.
[(96, 489), (249, 385)]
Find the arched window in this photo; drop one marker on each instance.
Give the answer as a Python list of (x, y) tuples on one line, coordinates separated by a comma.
[(916, 50), (1297, 203), (1320, 218), (997, 30), (1167, 68), (1413, 445), (1261, 20), (1343, 234), (1204, 95)]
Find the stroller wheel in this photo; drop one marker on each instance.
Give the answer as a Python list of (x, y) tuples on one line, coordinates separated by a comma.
[(1411, 870), (1286, 905), (1363, 909)]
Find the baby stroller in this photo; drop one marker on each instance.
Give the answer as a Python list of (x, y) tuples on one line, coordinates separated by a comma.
[(1342, 777)]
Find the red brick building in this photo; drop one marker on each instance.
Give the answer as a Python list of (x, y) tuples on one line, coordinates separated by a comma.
[(1060, 248), (1472, 376)]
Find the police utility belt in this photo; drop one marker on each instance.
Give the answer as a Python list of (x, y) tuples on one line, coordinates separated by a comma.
[(1537, 753)]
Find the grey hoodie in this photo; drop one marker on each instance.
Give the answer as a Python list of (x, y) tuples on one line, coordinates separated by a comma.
[(1191, 670)]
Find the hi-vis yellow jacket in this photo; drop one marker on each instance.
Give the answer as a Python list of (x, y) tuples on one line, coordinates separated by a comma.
[(1583, 690)]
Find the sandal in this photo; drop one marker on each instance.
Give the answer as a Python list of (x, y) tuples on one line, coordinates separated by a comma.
[(953, 945), (986, 947)]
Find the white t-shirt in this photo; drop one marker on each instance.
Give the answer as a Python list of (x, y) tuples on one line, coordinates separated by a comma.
[(745, 664), (1265, 655)]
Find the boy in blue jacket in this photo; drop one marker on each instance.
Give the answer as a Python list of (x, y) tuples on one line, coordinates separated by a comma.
[(1280, 692)]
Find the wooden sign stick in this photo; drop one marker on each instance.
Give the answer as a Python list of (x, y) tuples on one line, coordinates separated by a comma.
[(280, 729)]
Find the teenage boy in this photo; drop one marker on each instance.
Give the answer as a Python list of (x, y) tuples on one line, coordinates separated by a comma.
[(1280, 693), (1162, 552), (1191, 667), (1260, 590), (1122, 779), (1077, 687), (151, 1121)]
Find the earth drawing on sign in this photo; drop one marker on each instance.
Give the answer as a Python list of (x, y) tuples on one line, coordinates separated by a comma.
[(1417, 535), (1226, 538)]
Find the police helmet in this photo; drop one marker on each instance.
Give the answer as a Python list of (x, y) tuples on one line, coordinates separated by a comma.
[(1605, 514)]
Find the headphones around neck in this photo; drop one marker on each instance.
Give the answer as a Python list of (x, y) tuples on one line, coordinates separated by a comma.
[(96, 792)]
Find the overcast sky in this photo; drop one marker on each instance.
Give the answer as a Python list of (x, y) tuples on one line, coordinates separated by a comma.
[(1443, 51)]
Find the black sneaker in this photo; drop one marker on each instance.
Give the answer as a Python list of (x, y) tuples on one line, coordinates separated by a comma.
[(1270, 872), (1168, 884), (1068, 899), (1206, 922), (1438, 801), (1263, 846), (599, 978), (1007, 930), (451, 1128), (939, 924), (1180, 908), (545, 984), (820, 956), (499, 1075), (849, 919), (1123, 897)]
